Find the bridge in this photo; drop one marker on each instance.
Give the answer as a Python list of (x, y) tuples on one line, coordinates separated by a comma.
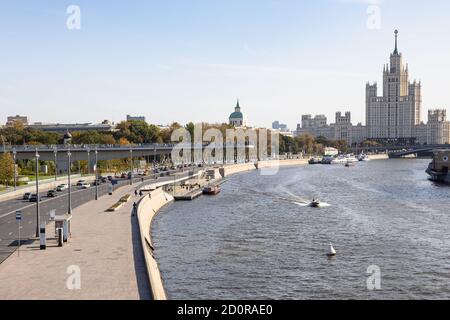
[(421, 151), (63, 154), (398, 151)]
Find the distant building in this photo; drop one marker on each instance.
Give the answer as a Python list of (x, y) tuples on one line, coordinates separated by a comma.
[(438, 128), (135, 118), (394, 115), (276, 125), (318, 121), (11, 121), (421, 133), (236, 119), (359, 133), (343, 127)]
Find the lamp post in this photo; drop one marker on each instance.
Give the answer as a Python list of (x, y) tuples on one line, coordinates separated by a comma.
[(15, 172), (37, 194), (69, 209), (89, 161), (96, 174), (131, 167), (55, 152)]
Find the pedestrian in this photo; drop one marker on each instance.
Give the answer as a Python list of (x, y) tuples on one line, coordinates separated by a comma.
[(134, 209), (140, 193), (135, 192)]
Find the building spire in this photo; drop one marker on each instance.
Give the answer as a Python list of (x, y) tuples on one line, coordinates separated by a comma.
[(396, 42), (238, 107)]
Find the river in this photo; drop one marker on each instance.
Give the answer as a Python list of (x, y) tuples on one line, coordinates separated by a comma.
[(257, 240)]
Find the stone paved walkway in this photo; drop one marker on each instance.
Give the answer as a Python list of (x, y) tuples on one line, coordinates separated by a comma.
[(105, 248)]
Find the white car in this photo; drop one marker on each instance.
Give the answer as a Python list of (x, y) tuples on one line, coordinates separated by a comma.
[(62, 187), (85, 186)]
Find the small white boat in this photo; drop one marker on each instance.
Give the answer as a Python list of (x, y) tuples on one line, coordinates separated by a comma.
[(332, 251)]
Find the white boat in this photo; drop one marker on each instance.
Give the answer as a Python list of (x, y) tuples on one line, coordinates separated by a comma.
[(339, 160), (351, 159), (332, 251), (363, 157)]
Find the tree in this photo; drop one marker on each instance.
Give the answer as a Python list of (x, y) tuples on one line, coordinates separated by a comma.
[(6, 168)]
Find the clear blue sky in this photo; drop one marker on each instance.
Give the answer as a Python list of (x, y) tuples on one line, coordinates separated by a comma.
[(183, 60)]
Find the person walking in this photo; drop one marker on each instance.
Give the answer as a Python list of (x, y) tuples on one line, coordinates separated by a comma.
[(134, 209)]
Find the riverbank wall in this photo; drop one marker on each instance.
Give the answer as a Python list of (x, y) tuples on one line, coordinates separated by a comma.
[(382, 156), (147, 209), (270, 164)]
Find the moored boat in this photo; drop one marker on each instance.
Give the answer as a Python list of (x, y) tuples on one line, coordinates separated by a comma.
[(438, 168), (211, 190)]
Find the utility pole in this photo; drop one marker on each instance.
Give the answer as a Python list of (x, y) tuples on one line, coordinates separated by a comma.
[(89, 161), (131, 172), (15, 170), (55, 152), (96, 174), (69, 183), (38, 199)]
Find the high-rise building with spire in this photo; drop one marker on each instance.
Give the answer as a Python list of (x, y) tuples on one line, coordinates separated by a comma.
[(394, 115)]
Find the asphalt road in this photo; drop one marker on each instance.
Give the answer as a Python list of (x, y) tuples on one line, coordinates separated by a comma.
[(9, 227)]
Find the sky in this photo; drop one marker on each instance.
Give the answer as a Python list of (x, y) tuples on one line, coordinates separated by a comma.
[(190, 60)]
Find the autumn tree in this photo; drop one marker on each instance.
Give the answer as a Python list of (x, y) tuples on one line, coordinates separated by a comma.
[(6, 169)]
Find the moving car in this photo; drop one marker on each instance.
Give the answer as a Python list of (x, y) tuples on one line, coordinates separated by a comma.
[(26, 196), (61, 187), (34, 198), (85, 185), (52, 193), (80, 183)]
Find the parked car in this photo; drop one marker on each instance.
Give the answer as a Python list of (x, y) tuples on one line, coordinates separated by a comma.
[(85, 185), (110, 178), (104, 179), (61, 187), (34, 198), (26, 196), (52, 193)]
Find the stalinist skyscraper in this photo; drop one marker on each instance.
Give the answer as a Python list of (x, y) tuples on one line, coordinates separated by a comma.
[(394, 115)]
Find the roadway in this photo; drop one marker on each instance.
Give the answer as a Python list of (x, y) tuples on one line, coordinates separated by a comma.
[(9, 226)]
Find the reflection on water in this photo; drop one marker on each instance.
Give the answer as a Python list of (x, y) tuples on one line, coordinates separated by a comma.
[(259, 238)]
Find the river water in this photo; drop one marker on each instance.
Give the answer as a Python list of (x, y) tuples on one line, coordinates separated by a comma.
[(257, 240)]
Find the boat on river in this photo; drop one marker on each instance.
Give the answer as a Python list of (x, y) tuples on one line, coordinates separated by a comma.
[(211, 190), (315, 203), (438, 168)]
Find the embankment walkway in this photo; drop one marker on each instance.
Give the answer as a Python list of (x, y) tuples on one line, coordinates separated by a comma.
[(105, 248)]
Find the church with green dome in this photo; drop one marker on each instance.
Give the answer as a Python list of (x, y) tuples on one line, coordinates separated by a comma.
[(237, 118)]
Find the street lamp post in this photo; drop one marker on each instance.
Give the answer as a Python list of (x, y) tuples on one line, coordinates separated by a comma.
[(15, 172), (131, 166), (55, 152), (37, 194), (96, 174), (89, 161), (69, 209)]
